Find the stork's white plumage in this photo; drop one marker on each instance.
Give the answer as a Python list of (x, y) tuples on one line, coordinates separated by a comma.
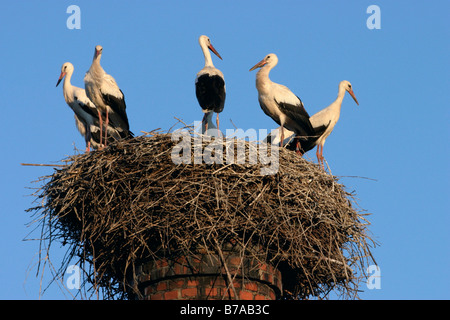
[(283, 106), (85, 111), (210, 84), (103, 91), (329, 116)]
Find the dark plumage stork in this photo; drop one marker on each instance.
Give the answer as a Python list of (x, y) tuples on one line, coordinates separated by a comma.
[(283, 106), (210, 84), (103, 91)]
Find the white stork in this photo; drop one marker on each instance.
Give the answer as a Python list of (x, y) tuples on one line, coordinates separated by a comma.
[(104, 92), (283, 106), (210, 84), (86, 117), (328, 117)]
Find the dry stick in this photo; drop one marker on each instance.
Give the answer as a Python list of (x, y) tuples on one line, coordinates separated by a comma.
[(222, 258), (44, 165)]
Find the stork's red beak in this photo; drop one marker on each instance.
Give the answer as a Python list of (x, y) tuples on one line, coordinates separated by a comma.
[(258, 65), (353, 96), (215, 51), (61, 76)]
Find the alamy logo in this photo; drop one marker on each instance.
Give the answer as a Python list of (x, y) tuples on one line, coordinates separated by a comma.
[(374, 279), (74, 278), (374, 21), (225, 150), (74, 20)]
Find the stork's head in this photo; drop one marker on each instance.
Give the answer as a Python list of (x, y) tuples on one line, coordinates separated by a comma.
[(347, 86), (271, 60), (206, 43), (66, 68), (98, 51)]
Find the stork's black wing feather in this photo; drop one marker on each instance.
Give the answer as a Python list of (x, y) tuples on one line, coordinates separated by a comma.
[(308, 143), (210, 92), (299, 115), (87, 108), (118, 118)]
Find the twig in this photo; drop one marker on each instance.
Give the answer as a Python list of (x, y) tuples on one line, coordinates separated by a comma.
[(44, 165)]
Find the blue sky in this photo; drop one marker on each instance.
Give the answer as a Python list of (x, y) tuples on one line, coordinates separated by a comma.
[(398, 136)]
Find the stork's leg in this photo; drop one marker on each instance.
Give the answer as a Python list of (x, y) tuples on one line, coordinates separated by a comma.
[(282, 136), (204, 120), (217, 122), (106, 127), (101, 126), (298, 147), (88, 138), (319, 155)]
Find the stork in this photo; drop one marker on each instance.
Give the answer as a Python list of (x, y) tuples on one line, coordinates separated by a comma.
[(86, 118), (104, 92), (329, 117), (210, 84), (283, 106)]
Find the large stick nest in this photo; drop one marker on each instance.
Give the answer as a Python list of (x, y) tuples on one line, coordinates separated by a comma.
[(130, 201)]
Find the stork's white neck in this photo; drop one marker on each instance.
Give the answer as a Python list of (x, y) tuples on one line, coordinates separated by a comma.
[(341, 94), (262, 77), (68, 88), (96, 60), (207, 55), (337, 104), (96, 69)]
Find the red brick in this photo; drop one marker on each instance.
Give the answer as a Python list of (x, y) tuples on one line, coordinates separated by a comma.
[(171, 295), (161, 263), (156, 296), (245, 295), (182, 260), (192, 283), (175, 284), (162, 286), (178, 268), (272, 295), (263, 266), (251, 286), (218, 282), (196, 261), (260, 297), (211, 292), (228, 293), (189, 292)]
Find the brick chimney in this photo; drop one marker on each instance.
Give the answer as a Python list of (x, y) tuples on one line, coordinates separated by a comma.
[(203, 276)]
